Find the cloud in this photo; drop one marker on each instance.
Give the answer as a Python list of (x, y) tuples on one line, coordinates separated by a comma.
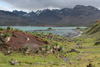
[(33, 5), (2, 7)]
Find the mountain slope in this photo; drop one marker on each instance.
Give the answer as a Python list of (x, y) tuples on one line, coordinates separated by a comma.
[(78, 16), (82, 15)]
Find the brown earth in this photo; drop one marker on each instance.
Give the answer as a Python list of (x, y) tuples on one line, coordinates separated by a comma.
[(19, 40)]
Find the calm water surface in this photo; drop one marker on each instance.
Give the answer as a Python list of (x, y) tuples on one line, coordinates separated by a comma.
[(58, 30)]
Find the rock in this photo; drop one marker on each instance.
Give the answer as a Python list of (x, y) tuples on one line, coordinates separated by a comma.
[(27, 38), (7, 39), (55, 62), (58, 46), (51, 50), (26, 52), (48, 52), (80, 47), (90, 65), (54, 47), (49, 62), (54, 51), (9, 52), (14, 62), (43, 49)]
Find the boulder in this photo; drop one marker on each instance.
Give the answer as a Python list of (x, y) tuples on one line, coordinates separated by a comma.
[(54, 47), (43, 49), (14, 62), (48, 52), (51, 50), (58, 46), (7, 39), (27, 38)]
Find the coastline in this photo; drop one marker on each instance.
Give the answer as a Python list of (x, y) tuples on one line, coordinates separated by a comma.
[(80, 33)]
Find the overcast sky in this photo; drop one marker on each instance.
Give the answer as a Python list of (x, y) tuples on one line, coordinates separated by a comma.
[(34, 5)]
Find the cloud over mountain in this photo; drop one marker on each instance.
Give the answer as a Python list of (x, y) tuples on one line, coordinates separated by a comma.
[(33, 5)]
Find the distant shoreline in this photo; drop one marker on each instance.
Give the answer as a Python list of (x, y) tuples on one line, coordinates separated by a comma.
[(80, 33), (70, 35), (53, 29)]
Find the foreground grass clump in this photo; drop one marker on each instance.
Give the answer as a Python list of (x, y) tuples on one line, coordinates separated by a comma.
[(1, 29), (6, 35), (50, 49), (50, 36)]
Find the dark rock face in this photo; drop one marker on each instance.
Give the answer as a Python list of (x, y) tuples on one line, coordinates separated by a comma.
[(83, 10), (79, 15)]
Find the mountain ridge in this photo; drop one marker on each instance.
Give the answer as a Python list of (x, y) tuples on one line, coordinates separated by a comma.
[(78, 16)]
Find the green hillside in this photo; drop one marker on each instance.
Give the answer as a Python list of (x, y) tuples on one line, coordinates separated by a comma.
[(80, 51), (94, 28)]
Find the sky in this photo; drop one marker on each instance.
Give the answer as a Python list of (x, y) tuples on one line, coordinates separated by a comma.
[(34, 5)]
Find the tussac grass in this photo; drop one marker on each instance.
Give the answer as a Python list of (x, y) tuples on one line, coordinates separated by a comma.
[(89, 54), (29, 60)]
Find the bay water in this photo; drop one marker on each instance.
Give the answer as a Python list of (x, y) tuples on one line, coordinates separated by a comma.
[(64, 31)]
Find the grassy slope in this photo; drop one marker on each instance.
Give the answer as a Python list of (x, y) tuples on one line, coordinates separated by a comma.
[(88, 54), (28, 60), (94, 28)]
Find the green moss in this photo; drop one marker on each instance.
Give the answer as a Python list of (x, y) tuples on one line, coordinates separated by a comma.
[(6, 35)]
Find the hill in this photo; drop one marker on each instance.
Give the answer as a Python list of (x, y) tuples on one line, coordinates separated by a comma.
[(15, 39), (94, 28)]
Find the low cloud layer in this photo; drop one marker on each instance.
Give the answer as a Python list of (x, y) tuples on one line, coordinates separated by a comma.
[(33, 5)]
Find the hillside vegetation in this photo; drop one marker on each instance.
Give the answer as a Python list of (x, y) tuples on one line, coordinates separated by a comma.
[(94, 28), (58, 51)]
